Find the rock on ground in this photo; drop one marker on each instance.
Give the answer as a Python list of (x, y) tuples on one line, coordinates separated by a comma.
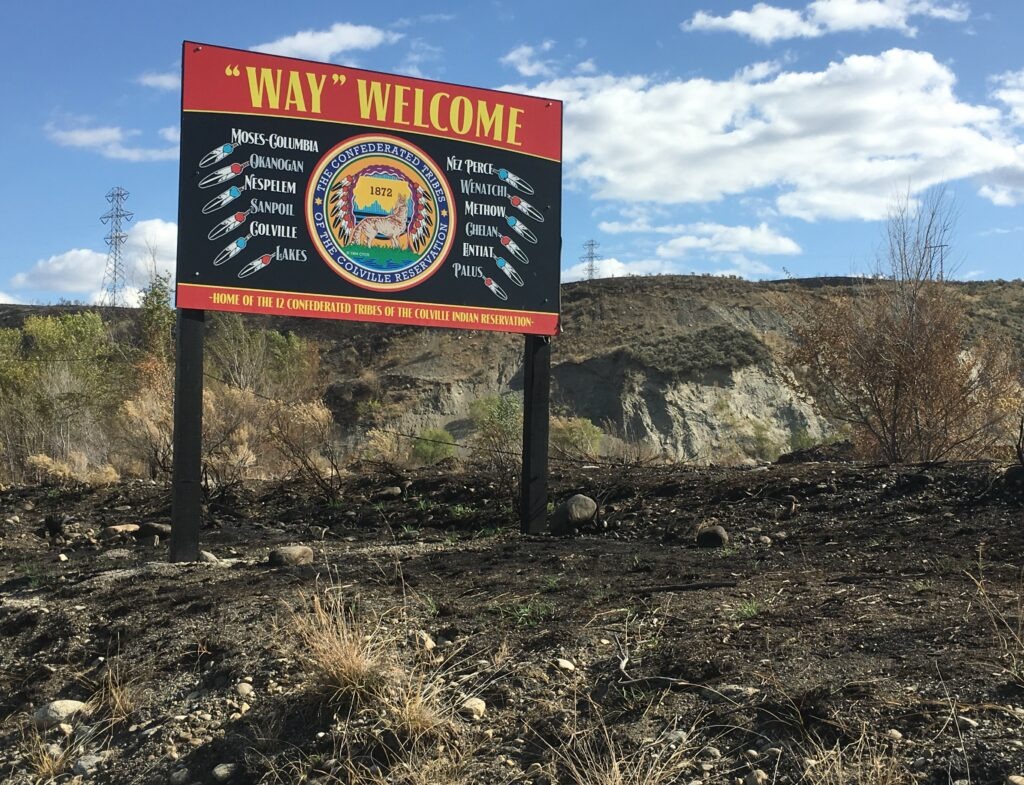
[(572, 512), (474, 708), (148, 529), (712, 537), (291, 555), (222, 772), (57, 712)]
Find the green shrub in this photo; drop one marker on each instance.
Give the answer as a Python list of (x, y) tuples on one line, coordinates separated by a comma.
[(497, 443), (575, 437), (434, 444)]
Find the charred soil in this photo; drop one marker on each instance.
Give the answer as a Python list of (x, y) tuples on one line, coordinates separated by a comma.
[(858, 613)]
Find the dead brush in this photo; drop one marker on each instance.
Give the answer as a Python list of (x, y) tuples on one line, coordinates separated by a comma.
[(50, 761), (350, 658), (417, 709), (1007, 626), (597, 759), (446, 768), (45, 760), (865, 761), (116, 694)]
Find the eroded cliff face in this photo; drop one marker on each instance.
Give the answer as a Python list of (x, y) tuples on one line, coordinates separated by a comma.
[(723, 416), (688, 379)]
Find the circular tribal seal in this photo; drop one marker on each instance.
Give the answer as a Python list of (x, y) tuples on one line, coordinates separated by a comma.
[(380, 212)]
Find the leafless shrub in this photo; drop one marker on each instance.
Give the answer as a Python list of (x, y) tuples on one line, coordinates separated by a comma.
[(894, 361), (1007, 625), (146, 422), (306, 436)]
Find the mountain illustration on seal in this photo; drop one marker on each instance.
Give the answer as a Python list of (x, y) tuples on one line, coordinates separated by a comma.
[(374, 209)]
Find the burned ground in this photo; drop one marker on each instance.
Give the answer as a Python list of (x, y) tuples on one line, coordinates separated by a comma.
[(853, 604)]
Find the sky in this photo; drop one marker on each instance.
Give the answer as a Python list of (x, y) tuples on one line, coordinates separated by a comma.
[(760, 139)]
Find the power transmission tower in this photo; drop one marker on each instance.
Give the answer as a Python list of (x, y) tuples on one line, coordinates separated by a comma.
[(114, 273), (591, 257)]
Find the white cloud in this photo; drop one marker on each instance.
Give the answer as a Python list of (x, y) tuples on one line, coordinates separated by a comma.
[(77, 270), (6, 298), (110, 142), (527, 61), (588, 66), (1002, 195), (420, 55), (409, 21), (717, 239), (151, 246), (711, 238), (767, 23), (327, 44), (834, 143), (615, 268), (1001, 230), (1010, 90), (171, 133), (756, 72), (171, 80), (764, 23)]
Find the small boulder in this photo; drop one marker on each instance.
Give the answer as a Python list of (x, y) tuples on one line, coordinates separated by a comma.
[(573, 512), (56, 712), (565, 665), (392, 492), (223, 772), (473, 708), (712, 537), (244, 689), (149, 529), (291, 556), (209, 558), (113, 532), (180, 777)]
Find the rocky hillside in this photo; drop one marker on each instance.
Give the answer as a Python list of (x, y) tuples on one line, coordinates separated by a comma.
[(692, 367)]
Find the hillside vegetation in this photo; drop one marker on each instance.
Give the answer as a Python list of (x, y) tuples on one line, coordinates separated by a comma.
[(691, 368)]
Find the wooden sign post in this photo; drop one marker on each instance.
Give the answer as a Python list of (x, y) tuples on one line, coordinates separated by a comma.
[(533, 499), (187, 476)]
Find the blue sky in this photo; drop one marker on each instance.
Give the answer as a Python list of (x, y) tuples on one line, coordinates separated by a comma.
[(759, 139)]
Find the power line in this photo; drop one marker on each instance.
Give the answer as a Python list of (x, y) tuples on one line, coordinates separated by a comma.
[(114, 273), (591, 257)]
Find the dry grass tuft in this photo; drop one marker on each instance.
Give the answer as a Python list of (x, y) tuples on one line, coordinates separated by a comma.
[(49, 761), (1007, 626), (596, 759), (418, 711), (351, 659), (863, 762), (116, 694)]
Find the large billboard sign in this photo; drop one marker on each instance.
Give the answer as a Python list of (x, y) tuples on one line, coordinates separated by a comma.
[(309, 189)]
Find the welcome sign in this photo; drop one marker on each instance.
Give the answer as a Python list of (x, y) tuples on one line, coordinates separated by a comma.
[(309, 189)]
